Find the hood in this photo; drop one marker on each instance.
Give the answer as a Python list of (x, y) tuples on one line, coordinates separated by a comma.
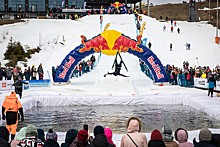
[(12, 95), (21, 134), (100, 141), (133, 126), (182, 136), (156, 135), (167, 133), (4, 133), (108, 133), (71, 135)]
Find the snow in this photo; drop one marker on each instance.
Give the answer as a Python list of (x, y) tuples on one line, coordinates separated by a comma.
[(92, 88)]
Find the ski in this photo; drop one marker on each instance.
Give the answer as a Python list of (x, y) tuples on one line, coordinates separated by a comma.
[(106, 27), (142, 28), (115, 59), (123, 62)]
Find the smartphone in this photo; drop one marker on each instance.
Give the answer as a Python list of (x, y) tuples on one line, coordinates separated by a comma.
[(85, 127)]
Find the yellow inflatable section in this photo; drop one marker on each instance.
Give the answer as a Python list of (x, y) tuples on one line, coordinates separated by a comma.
[(110, 36)]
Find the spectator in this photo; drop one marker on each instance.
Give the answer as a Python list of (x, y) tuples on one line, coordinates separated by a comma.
[(212, 85), (133, 136), (205, 136), (70, 136), (18, 86), (149, 45), (31, 137), (188, 46), (168, 137), (19, 137), (171, 29), (41, 134), (181, 136), (171, 21), (1, 73), (178, 30), (164, 28), (26, 75), (51, 139), (15, 73), (156, 139), (171, 46), (81, 140), (174, 23), (100, 138), (34, 74), (108, 134), (53, 73), (4, 137)]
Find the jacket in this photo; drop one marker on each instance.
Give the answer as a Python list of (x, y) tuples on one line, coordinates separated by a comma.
[(182, 139), (51, 143), (4, 137), (108, 134), (203, 144), (156, 143), (100, 141)]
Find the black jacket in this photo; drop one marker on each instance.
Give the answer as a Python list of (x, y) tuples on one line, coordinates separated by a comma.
[(100, 141), (51, 143), (156, 143), (4, 137), (215, 140), (203, 144)]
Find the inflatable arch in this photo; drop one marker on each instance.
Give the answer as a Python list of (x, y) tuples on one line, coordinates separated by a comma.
[(119, 6), (109, 42)]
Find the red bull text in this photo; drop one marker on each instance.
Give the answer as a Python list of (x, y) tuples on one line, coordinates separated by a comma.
[(97, 44), (124, 43), (156, 67), (66, 67)]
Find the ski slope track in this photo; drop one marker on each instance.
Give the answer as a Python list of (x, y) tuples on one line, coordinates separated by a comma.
[(92, 88)]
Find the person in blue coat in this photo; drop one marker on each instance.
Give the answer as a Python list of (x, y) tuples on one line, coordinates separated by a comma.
[(212, 85)]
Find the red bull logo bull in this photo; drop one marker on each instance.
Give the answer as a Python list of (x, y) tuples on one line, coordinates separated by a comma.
[(97, 44), (156, 67), (124, 44)]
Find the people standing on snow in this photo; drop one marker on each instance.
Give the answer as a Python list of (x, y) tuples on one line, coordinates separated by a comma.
[(178, 30), (10, 107), (171, 46), (149, 45), (18, 86), (171, 21), (9, 73), (172, 29), (164, 28), (175, 23), (53, 73), (212, 85), (40, 72), (188, 46), (138, 26)]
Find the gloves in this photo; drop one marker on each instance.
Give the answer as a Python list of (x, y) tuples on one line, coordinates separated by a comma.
[(22, 119), (3, 116)]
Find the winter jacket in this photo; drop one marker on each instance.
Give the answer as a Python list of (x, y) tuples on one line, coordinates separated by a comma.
[(133, 131), (40, 70), (1, 73), (32, 140), (108, 134), (18, 84), (168, 137), (203, 144), (4, 137), (9, 73), (212, 82), (51, 143), (171, 144), (215, 140), (182, 139), (100, 141), (156, 143)]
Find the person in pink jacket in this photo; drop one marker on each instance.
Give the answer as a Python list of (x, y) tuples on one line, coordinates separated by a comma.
[(134, 138), (108, 134)]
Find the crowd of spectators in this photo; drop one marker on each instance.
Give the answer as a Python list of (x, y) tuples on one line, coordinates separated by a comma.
[(165, 137), (29, 73), (185, 76), (81, 68)]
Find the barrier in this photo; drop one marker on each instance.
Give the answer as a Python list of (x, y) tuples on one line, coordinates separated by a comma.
[(6, 85), (202, 83), (36, 84)]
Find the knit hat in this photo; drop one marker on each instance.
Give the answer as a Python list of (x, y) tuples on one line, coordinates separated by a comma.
[(21, 134), (71, 135), (82, 135), (41, 134), (205, 135), (167, 133), (156, 135), (31, 131), (51, 135), (98, 130)]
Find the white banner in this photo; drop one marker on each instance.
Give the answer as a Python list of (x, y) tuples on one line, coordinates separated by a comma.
[(202, 83), (6, 85)]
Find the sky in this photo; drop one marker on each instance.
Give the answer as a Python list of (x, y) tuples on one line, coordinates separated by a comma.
[(161, 2)]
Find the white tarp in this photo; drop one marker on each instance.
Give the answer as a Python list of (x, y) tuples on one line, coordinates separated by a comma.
[(202, 83)]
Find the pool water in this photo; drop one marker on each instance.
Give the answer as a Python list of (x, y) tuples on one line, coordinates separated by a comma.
[(63, 118)]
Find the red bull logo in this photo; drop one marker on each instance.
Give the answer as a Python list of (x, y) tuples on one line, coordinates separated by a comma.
[(66, 67), (156, 67), (124, 44), (97, 44)]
